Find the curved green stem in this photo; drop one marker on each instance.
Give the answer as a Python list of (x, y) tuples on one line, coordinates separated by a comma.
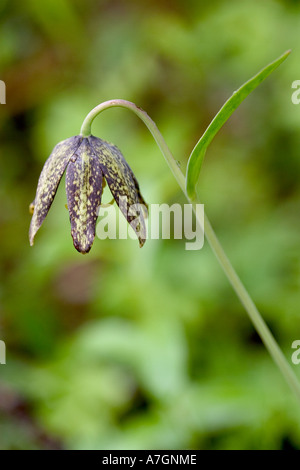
[(85, 131), (253, 313)]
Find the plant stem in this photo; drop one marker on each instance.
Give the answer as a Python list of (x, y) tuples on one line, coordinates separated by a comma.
[(252, 311), (87, 123)]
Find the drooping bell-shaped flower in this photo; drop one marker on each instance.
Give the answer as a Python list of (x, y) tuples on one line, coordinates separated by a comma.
[(87, 162)]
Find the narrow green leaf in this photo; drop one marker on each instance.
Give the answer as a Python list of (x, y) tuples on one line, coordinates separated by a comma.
[(197, 155)]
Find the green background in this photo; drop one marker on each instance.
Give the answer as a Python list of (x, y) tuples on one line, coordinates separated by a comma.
[(128, 348)]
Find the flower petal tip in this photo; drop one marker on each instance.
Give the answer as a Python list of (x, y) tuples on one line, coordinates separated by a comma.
[(31, 235), (141, 242), (83, 247)]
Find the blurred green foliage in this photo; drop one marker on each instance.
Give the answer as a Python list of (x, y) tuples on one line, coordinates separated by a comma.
[(149, 348)]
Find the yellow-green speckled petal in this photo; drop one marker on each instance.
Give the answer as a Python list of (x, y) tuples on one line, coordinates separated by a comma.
[(84, 190), (122, 183), (49, 181)]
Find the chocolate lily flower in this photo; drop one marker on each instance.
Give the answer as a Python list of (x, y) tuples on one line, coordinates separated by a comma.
[(87, 161)]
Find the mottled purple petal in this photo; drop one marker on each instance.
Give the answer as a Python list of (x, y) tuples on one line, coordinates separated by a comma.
[(123, 185), (49, 180), (84, 190)]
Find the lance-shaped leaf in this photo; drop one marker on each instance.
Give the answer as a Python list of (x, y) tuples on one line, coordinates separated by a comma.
[(84, 190), (198, 153), (49, 180), (123, 185)]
